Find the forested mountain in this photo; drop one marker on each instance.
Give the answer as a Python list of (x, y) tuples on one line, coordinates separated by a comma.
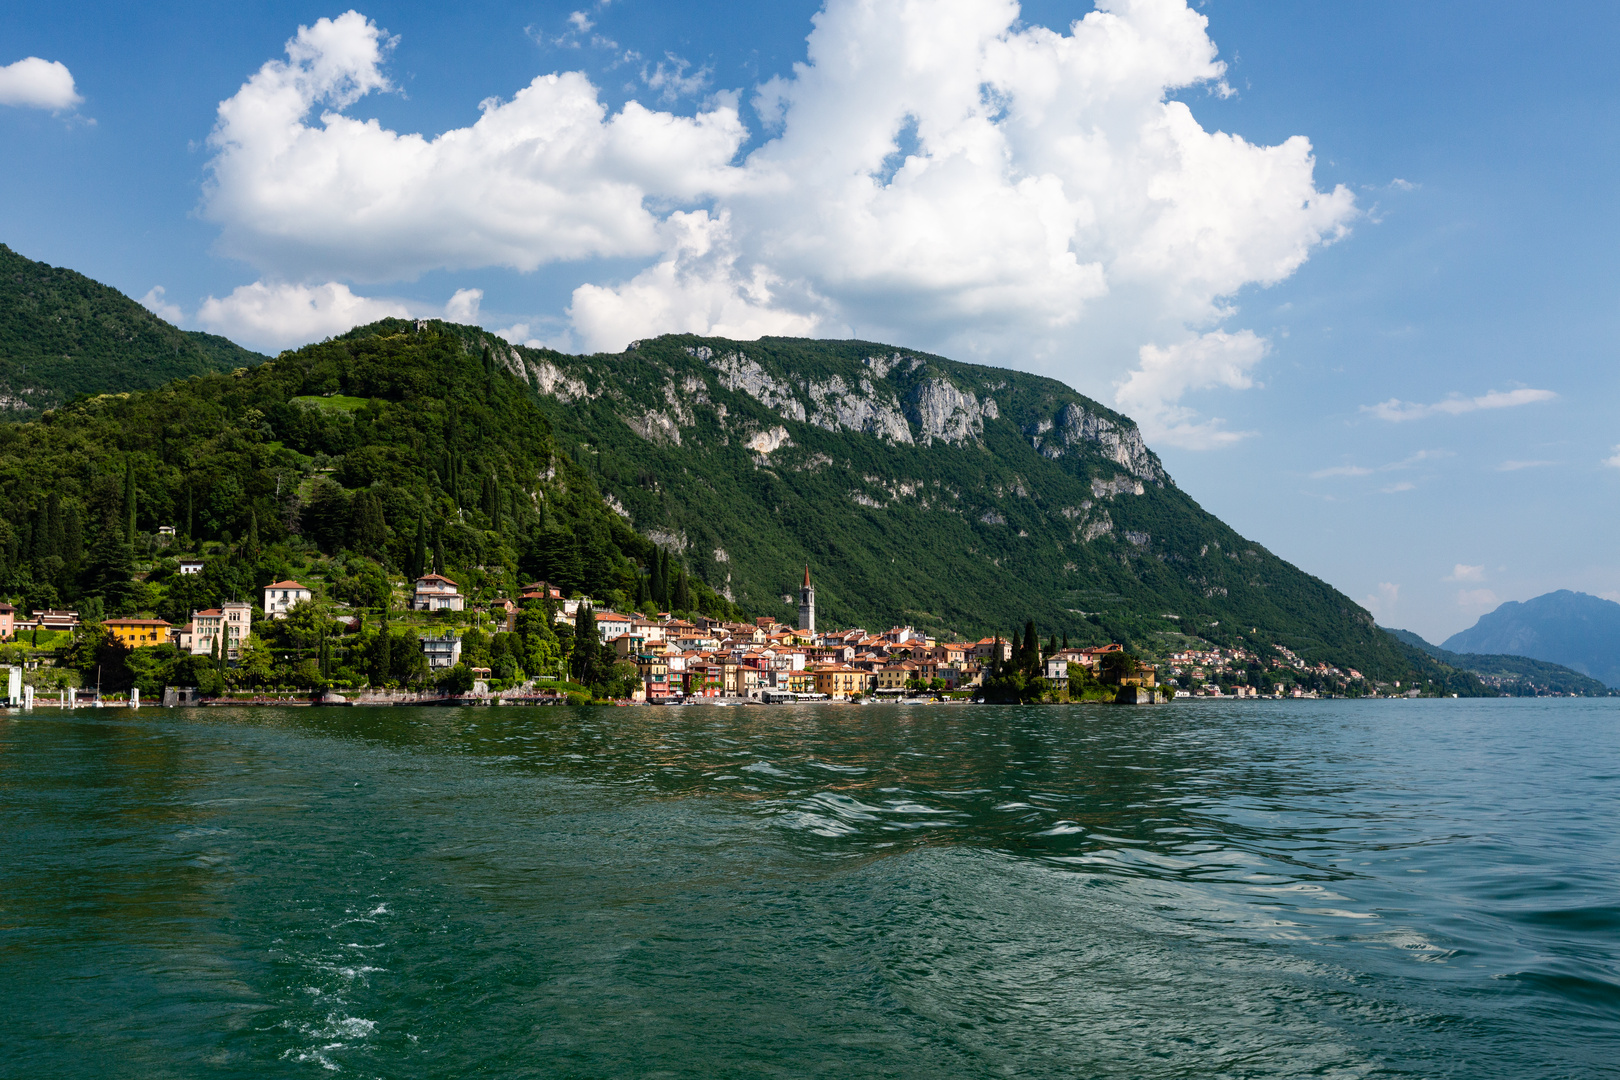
[(393, 446), (958, 498), (1569, 628), (1518, 676), (63, 335)]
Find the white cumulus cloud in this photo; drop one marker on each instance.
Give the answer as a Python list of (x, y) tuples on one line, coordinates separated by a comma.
[(463, 306), (1165, 374), (279, 315), (1397, 410), (546, 176), (940, 175), (32, 83), (153, 301), (1463, 572)]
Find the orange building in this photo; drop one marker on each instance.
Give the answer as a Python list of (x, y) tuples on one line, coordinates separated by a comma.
[(139, 633)]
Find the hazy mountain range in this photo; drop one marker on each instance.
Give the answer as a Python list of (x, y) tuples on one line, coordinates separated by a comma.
[(1569, 628)]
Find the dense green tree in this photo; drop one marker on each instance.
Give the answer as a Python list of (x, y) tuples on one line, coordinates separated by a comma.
[(681, 600), (369, 532), (589, 662), (72, 541), (456, 680), (418, 560), (659, 585), (55, 526), (110, 568), (325, 518), (129, 503)]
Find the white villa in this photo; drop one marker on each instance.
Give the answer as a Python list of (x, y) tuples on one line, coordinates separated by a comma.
[(442, 652), (435, 592), (280, 597)]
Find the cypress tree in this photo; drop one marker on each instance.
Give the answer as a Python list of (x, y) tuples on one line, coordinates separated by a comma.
[(370, 531), (419, 550), (251, 548), (1032, 648), (189, 522), (38, 538), (656, 586), (110, 566), (438, 549), (129, 503), (683, 594), (54, 528), (72, 540), (582, 663)]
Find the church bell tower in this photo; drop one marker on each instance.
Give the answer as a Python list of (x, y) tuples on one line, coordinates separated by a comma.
[(807, 605)]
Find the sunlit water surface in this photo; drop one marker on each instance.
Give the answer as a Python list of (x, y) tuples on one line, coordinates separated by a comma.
[(1335, 889)]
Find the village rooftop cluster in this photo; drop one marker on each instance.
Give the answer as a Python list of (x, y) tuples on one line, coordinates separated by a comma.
[(676, 659)]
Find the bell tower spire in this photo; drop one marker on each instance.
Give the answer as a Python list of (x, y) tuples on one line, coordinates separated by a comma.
[(807, 604)]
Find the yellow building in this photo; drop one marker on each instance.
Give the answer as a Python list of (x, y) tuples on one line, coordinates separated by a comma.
[(895, 676), (139, 633), (840, 680)]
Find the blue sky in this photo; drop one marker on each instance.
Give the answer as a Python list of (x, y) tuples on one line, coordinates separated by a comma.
[(1391, 360)]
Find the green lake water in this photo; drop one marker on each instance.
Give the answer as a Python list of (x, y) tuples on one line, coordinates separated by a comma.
[(1271, 889)]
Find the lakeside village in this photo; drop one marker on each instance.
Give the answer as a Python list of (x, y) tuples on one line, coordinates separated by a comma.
[(543, 647)]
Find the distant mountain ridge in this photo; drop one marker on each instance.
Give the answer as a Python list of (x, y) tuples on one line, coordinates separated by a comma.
[(1515, 675), (63, 335), (1574, 629)]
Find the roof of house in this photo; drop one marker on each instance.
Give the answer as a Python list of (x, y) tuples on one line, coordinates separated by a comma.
[(434, 577), (135, 622), (211, 613), (287, 585)]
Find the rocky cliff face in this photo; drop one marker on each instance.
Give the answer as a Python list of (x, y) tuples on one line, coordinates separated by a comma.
[(957, 498)]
